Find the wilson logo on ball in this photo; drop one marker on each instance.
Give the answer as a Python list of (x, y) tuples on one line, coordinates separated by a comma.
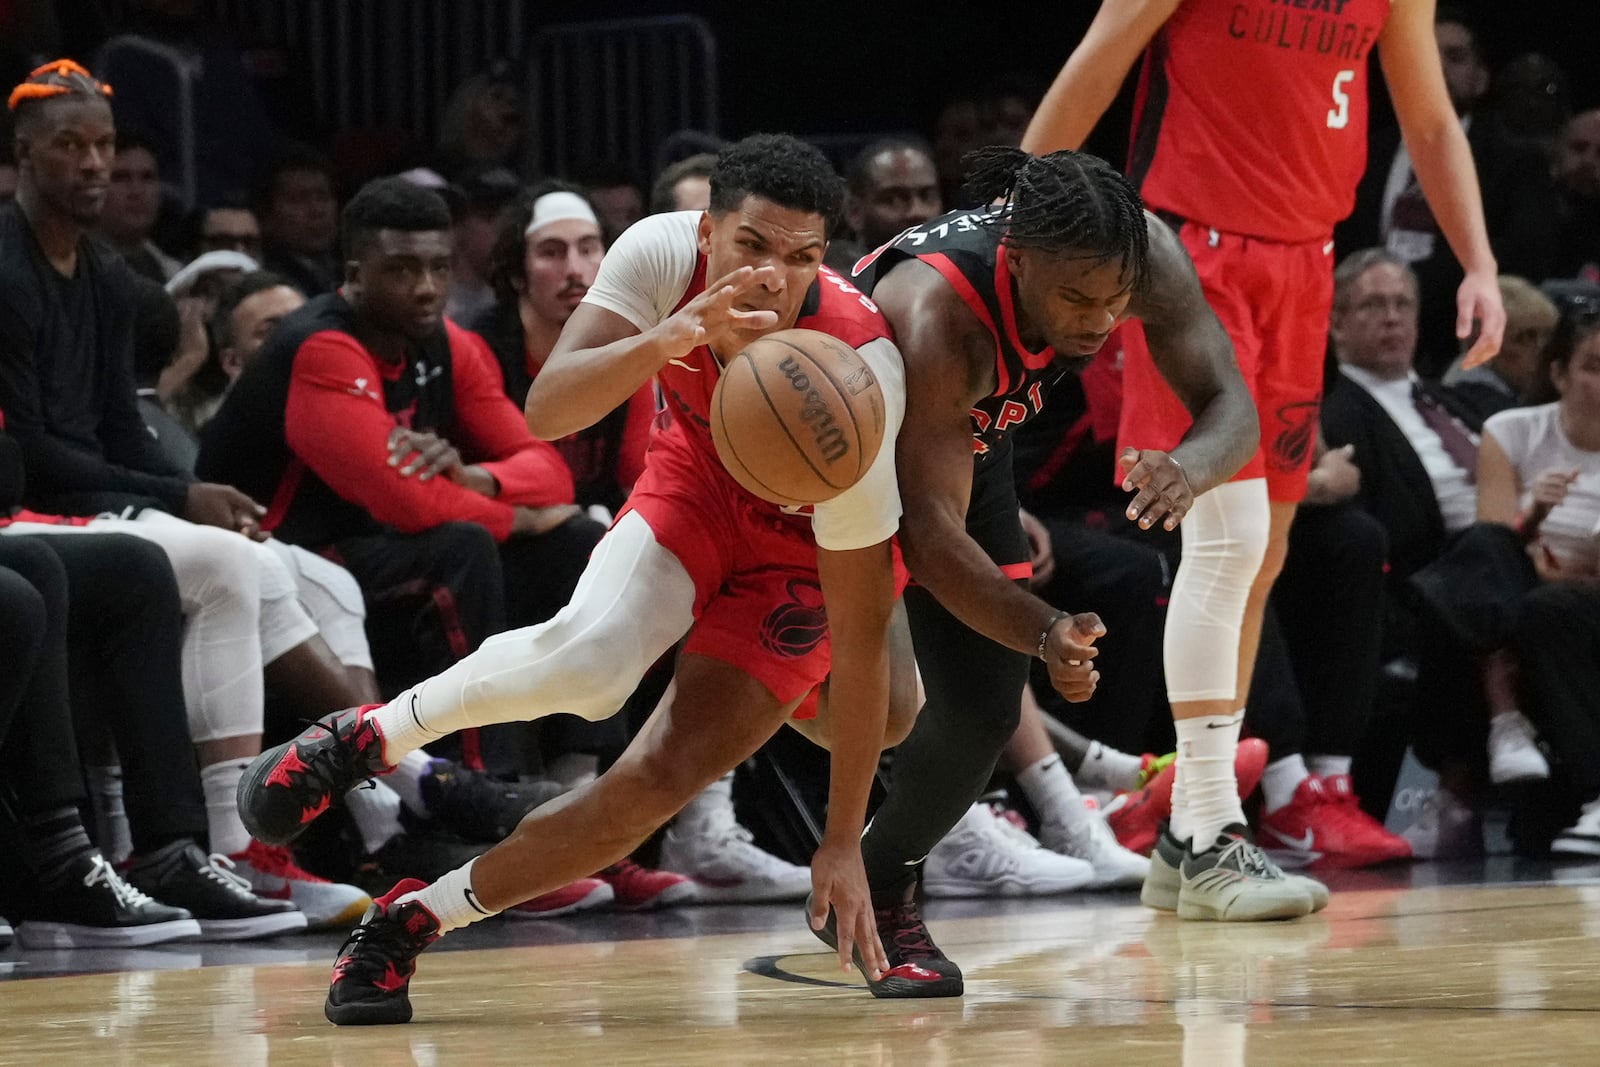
[(815, 413)]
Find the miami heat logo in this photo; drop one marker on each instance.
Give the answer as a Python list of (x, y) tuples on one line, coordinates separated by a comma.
[(798, 627), (1297, 430)]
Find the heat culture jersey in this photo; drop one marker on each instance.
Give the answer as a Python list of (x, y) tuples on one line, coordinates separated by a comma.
[(655, 268), (1251, 115)]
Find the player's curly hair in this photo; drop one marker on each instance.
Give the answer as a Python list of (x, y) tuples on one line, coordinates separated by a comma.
[(780, 168), (390, 204), (1066, 203)]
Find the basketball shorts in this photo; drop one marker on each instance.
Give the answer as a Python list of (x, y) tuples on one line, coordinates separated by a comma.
[(758, 600), (1274, 300)]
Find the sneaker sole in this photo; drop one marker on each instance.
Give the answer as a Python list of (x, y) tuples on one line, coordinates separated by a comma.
[(348, 916), (1575, 847), (597, 897), (672, 896), (706, 893), (390, 1013), (1249, 905), (254, 926), (942, 889), (253, 785), (73, 935)]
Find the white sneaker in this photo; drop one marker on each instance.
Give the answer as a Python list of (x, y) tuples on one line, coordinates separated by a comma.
[(985, 855), (1582, 838), (1446, 829), (1091, 839), (1514, 755), (721, 856), (274, 875)]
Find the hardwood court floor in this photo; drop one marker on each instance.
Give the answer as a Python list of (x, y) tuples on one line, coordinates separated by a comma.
[(1396, 971)]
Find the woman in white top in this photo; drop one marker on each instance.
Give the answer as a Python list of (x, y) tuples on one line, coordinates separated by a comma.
[(1539, 473)]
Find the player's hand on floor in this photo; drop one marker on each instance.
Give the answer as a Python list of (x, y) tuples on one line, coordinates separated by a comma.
[(1069, 654), (839, 881), (1164, 494)]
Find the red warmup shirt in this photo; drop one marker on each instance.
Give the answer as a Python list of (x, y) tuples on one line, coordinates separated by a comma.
[(1251, 115), (306, 430)]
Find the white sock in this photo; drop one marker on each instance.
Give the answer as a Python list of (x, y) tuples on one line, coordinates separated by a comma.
[(1279, 781), (407, 780), (1051, 792), (1329, 766), (573, 769), (1107, 768), (402, 731), (220, 783), (1205, 793), (376, 811), (451, 899), (716, 797), (111, 831)]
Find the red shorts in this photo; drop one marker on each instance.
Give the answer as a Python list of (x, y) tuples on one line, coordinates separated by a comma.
[(757, 597), (1274, 300)]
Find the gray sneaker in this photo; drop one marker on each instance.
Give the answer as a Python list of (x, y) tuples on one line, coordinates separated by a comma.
[(1162, 886), (1234, 881)]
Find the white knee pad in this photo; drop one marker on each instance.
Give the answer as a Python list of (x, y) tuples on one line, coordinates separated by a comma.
[(1224, 541)]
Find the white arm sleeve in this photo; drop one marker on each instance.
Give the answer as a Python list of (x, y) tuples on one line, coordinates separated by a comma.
[(869, 511), (646, 272)]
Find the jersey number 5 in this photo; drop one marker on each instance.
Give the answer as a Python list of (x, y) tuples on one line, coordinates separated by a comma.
[(1339, 113)]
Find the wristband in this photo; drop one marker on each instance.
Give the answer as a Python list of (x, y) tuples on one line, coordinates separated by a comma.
[(1044, 635)]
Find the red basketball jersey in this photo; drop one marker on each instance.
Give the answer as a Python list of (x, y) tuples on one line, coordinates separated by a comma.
[(832, 306), (1251, 115)]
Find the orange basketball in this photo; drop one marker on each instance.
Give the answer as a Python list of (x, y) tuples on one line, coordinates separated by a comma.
[(797, 417)]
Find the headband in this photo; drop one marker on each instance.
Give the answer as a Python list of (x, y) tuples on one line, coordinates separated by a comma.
[(558, 207)]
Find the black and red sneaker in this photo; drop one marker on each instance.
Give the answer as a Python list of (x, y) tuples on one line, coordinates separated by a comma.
[(286, 787), (376, 962), (917, 968)]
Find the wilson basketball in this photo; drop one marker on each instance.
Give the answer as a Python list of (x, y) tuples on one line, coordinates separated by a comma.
[(797, 417)]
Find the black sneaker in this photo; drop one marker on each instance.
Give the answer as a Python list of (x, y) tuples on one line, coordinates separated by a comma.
[(917, 969), (478, 806), (428, 854), (286, 787), (221, 901), (377, 960), (97, 909)]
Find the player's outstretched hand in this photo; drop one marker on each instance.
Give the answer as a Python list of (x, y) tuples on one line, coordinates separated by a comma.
[(1478, 298), (839, 881), (716, 318), (1164, 493), (1069, 654)]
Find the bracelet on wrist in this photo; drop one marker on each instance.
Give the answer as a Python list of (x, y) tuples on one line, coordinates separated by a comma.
[(1044, 635)]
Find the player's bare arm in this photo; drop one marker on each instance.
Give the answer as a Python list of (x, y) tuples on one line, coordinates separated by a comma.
[(602, 359), (1442, 160), (1194, 355), (858, 589), (949, 359), (1094, 73)]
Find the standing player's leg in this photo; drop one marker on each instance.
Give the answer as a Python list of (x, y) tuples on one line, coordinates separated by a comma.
[(719, 717)]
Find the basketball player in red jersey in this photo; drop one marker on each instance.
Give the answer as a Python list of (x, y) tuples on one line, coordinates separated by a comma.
[(1250, 137), (677, 294)]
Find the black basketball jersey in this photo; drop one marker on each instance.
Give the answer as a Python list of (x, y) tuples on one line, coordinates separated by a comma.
[(964, 247)]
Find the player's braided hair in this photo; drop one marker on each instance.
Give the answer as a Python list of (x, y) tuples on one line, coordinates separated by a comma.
[(1066, 204), (62, 77)]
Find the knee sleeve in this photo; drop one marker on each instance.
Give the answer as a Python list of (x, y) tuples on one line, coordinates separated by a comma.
[(284, 623), (1224, 542)]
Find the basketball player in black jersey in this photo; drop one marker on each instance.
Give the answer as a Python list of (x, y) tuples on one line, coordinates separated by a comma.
[(991, 307)]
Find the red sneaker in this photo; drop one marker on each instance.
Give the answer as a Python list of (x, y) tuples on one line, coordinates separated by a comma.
[(1324, 828), (1136, 817), (639, 888), (582, 895)]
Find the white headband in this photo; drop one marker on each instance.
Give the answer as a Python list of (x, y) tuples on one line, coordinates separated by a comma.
[(558, 207)]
